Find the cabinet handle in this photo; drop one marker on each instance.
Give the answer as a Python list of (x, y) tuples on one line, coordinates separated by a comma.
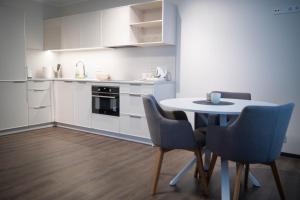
[(36, 90), (19, 81), (135, 116), (40, 107), (68, 81), (82, 82), (135, 95), (135, 84), (38, 81)]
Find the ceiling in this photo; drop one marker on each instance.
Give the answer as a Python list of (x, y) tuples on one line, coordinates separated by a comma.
[(60, 3)]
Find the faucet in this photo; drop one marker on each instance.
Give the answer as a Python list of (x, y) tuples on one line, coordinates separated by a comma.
[(77, 74)]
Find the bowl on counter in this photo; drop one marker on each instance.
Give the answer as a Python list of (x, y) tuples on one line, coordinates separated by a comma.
[(102, 76)]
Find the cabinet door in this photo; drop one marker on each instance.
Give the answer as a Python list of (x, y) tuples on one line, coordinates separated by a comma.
[(13, 106), (70, 32), (52, 34), (34, 31), (64, 102), (90, 29), (83, 104), (116, 27), (12, 45)]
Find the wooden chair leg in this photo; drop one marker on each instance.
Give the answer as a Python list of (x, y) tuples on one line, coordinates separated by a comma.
[(202, 174), (160, 155), (211, 167), (196, 172), (237, 181), (246, 176), (277, 180)]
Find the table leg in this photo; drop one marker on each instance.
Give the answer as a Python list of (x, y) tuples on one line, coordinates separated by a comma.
[(207, 158), (225, 183), (253, 179), (182, 172)]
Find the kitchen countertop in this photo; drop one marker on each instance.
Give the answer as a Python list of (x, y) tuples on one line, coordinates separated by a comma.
[(144, 82)]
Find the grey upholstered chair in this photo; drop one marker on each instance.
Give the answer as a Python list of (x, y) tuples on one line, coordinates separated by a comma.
[(256, 137), (202, 121), (169, 131)]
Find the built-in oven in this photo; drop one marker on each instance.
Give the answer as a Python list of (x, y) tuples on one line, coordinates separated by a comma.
[(106, 100)]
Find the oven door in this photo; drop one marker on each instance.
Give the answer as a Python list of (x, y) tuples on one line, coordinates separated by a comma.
[(106, 104)]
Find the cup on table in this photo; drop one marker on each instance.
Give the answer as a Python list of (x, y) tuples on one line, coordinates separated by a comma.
[(215, 97)]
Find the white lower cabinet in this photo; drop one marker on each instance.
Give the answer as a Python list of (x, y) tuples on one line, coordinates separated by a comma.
[(83, 104), (39, 102), (134, 125), (13, 106), (105, 122), (39, 115), (64, 102)]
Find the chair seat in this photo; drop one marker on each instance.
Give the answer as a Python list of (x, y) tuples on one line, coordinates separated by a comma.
[(200, 137)]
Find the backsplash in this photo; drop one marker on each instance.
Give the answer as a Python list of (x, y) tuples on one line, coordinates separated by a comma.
[(121, 64)]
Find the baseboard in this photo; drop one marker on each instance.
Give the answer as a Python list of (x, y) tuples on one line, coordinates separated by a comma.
[(290, 155), (107, 133), (78, 128), (25, 128)]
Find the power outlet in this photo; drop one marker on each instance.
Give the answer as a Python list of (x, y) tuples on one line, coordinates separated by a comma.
[(287, 10)]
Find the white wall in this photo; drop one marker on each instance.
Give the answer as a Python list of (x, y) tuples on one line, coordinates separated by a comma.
[(238, 45)]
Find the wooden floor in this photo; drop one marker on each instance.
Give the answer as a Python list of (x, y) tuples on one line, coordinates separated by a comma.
[(58, 163)]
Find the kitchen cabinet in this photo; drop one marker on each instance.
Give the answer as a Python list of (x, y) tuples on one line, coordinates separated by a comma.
[(64, 102), (105, 122), (52, 34), (90, 29), (39, 102), (132, 114), (135, 125), (34, 31), (116, 27), (13, 107), (70, 32), (153, 23), (83, 104), (12, 48)]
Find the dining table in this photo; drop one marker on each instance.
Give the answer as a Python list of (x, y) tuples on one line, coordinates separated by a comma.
[(223, 109)]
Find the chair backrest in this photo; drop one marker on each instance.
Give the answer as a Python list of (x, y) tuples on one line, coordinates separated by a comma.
[(235, 95), (154, 113), (259, 133), (201, 120)]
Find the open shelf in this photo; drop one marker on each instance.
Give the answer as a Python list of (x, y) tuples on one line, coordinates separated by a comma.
[(148, 24), (146, 12)]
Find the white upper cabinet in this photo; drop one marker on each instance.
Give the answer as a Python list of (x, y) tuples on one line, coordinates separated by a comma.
[(52, 34), (153, 23), (70, 32), (34, 31), (90, 29), (116, 27), (147, 24), (12, 45)]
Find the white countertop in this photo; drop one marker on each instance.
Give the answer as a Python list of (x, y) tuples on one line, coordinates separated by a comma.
[(144, 82)]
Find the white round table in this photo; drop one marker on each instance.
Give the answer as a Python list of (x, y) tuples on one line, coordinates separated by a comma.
[(188, 104)]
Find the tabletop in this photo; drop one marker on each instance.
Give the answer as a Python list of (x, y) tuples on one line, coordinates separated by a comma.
[(187, 104)]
